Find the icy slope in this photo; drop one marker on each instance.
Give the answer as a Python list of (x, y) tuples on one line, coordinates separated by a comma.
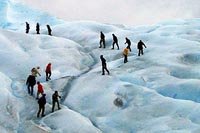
[(169, 66), (19, 53), (160, 90)]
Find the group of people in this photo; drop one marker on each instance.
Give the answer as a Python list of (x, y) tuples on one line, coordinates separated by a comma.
[(42, 102), (31, 82), (38, 28), (103, 42), (126, 50)]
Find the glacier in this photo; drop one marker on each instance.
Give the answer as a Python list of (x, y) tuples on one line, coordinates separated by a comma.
[(160, 90)]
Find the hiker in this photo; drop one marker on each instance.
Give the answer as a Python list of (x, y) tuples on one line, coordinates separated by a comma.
[(129, 43), (49, 30), (125, 53), (31, 81), (35, 71), (27, 27), (41, 102), (103, 60), (40, 89), (115, 41), (55, 97), (102, 40), (38, 28), (48, 72), (140, 47)]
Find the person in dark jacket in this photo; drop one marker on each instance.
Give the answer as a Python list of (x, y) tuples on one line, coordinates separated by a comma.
[(48, 72), (102, 40), (41, 102), (103, 61), (129, 43), (115, 41), (31, 81), (49, 30), (27, 27), (38, 28), (140, 47), (55, 97)]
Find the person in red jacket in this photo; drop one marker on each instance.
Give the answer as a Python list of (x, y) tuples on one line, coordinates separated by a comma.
[(40, 89), (48, 72)]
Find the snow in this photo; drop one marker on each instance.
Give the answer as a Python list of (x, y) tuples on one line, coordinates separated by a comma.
[(77, 123), (159, 90)]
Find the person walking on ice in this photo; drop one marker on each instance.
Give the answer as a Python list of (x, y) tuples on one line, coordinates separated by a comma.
[(30, 82), (40, 89), (38, 28), (129, 43), (115, 41), (55, 97), (102, 40), (104, 67), (35, 71), (140, 47), (41, 103), (27, 27), (49, 30), (125, 53), (48, 72)]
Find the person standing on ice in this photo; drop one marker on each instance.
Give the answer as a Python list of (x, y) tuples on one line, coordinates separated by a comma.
[(41, 102), (49, 30), (40, 89), (125, 53), (102, 40), (140, 47), (55, 97), (27, 27), (38, 28), (103, 61), (35, 71), (129, 43), (115, 41), (30, 82), (48, 72)]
